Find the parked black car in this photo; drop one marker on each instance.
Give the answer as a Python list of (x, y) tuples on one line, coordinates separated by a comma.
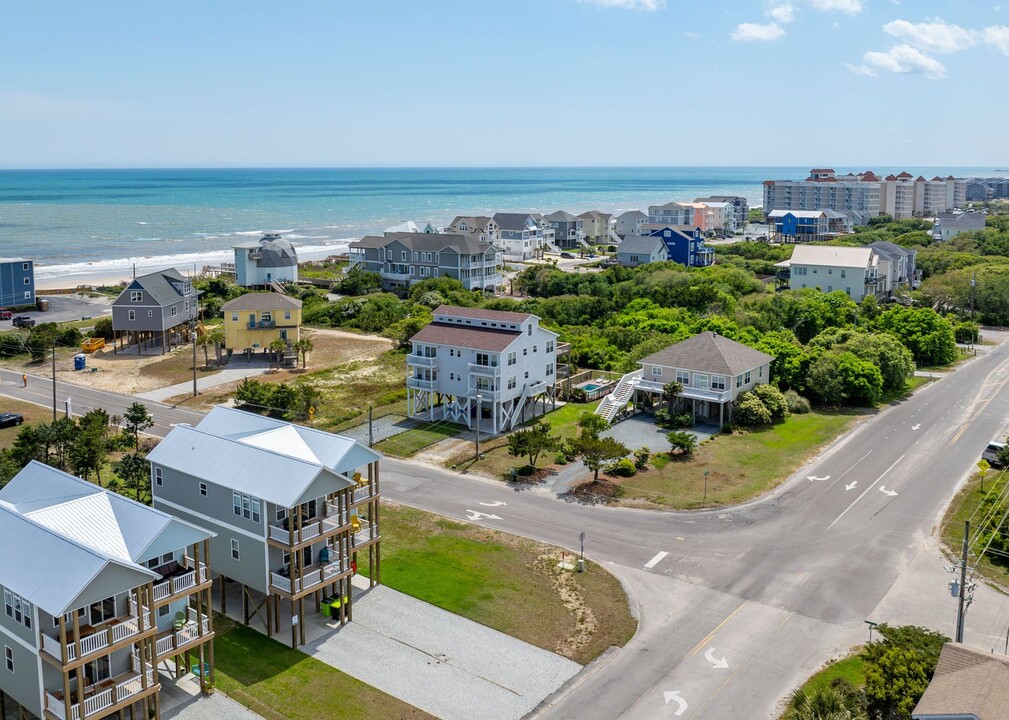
[(567, 256), (23, 321), (11, 419)]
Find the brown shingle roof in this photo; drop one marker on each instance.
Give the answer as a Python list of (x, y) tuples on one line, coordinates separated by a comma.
[(709, 352), (464, 336), (482, 314), (967, 682), (261, 301)]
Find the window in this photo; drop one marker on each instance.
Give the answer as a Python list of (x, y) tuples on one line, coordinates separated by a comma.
[(512, 383), (203, 489), (525, 352), (28, 281), (746, 378), (175, 310), (683, 377), (281, 514), (150, 313), (234, 317), (287, 314), (164, 610), (656, 370), (717, 382), (132, 315), (235, 553), (739, 381), (550, 368), (187, 306), (9, 657), (236, 503), (158, 479), (136, 296), (24, 266), (245, 506), (842, 273), (534, 348), (403, 256), (18, 609), (550, 346), (760, 371), (28, 294), (527, 375), (267, 316), (701, 380), (511, 358), (530, 330)]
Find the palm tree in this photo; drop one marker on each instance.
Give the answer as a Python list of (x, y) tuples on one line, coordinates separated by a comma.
[(304, 346), (827, 702), (217, 337), (670, 391), (204, 342), (276, 348)]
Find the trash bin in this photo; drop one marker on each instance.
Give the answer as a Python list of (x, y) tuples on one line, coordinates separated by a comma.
[(80, 360)]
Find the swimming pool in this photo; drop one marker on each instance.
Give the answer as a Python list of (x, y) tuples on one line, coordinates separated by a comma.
[(589, 387)]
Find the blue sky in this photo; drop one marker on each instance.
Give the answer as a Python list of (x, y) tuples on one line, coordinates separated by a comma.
[(506, 82)]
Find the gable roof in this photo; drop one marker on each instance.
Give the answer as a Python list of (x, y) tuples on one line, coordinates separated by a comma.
[(159, 285), (479, 222), (709, 352), (560, 216), (269, 459), (656, 229), (504, 316), (639, 244), (967, 682), (467, 336), (427, 242), (261, 301), (512, 221), (632, 215), (831, 256), (963, 221), (797, 213), (889, 250)]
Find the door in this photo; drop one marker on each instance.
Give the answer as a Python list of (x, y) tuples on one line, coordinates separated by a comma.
[(283, 334)]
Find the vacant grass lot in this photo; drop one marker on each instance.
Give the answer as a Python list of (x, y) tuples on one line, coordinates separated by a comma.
[(967, 505), (279, 683), (32, 413), (740, 466), (505, 582), (851, 668), (407, 443)]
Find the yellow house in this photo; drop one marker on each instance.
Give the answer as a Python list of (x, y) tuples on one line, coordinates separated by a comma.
[(254, 320)]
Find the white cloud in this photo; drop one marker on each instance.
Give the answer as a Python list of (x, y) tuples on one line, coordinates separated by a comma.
[(851, 7), (649, 5), (861, 70), (756, 31), (934, 35), (782, 13), (997, 35), (691, 34), (904, 60)]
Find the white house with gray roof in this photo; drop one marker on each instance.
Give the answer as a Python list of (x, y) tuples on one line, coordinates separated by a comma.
[(402, 259), (629, 223), (265, 262), (98, 589), (472, 361), (635, 250), (294, 509), (713, 370), (948, 225), (155, 310)]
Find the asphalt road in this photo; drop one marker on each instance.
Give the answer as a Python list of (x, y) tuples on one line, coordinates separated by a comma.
[(738, 606)]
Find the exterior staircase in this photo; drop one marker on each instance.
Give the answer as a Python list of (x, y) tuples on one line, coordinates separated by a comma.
[(613, 237), (613, 403), (277, 287)]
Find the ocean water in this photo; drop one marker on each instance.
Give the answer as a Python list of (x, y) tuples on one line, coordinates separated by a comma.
[(99, 222)]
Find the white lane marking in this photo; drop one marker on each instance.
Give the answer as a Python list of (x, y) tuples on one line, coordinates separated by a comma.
[(655, 560), (476, 515), (670, 695), (864, 492), (891, 493), (915, 427), (814, 478), (496, 503), (851, 485), (716, 664)]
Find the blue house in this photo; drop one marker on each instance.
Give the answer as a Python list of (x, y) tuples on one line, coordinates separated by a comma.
[(17, 282), (685, 245), (799, 226)]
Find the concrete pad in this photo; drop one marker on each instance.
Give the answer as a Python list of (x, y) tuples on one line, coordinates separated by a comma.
[(207, 707), (642, 430), (439, 662)]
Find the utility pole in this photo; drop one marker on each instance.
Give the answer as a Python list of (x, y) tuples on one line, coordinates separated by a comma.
[(54, 380), (192, 334), (371, 435), (479, 399), (963, 583), (973, 287)]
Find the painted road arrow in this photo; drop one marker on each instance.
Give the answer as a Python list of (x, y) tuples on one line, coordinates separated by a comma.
[(915, 427), (670, 695), (851, 485), (882, 489), (720, 663), (476, 515), (814, 478), (496, 503)]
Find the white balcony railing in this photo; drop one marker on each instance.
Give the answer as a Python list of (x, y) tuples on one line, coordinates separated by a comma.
[(361, 494), (125, 687), (177, 639), (691, 393), (365, 534), (421, 361), (420, 384), (310, 528), (180, 583), (492, 371), (313, 575), (108, 634)]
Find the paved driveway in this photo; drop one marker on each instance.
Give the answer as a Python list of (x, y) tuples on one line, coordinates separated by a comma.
[(443, 664), (641, 430)]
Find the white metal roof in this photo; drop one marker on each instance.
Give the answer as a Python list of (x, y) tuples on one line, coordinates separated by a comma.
[(832, 256)]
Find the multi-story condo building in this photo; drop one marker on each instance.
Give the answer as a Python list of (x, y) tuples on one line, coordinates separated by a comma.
[(155, 310), (855, 195), (672, 213), (471, 362), (98, 589), (402, 259), (629, 224), (568, 229), (520, 236), (718, 216), (293, 509), (977, 189), (740, 207), (17, 282), (266, 262), (853, 270)]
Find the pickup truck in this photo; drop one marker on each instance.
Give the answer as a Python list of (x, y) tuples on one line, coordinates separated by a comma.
[(23, 321), (5, 314)]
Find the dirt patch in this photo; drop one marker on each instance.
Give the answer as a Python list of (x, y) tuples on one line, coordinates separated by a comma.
[(563, 581), (596, 492), (132, 374)]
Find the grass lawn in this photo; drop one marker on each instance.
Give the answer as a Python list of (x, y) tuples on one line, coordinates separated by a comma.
[(279, 683), (505, 582), (741, 466), (851, 668), (407, 443), (967, 506), (32, 413)]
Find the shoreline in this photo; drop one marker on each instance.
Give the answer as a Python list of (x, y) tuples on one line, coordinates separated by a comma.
[(105, 276)]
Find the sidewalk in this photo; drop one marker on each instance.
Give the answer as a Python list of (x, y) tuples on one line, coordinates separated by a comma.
[(235, 370)]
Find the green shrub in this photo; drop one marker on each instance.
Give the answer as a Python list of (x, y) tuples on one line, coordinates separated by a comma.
[(525, 470), (773, 400), (103, 328), (624, 467), (674, 421), (797, 405), (641, 457), (682, 442), (750, 411), (560, 459)]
